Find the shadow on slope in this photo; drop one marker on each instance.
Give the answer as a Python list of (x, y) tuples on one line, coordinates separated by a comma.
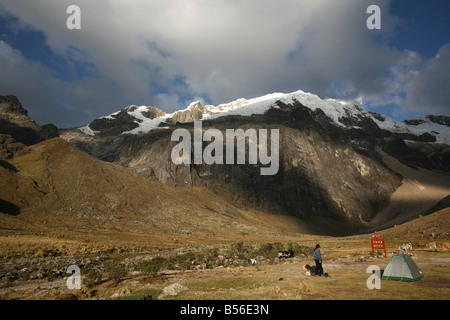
[(422, 192), (9, 208)]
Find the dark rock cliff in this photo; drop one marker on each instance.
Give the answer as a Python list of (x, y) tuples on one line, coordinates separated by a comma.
[(320, 173), (17, 129)]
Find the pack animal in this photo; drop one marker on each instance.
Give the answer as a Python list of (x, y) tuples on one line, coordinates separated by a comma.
[(405, 247), (286, 254)]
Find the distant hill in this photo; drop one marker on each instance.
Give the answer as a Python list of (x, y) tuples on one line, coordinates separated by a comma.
[(15, 122)]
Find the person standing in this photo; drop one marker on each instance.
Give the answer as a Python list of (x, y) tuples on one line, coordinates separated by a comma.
[(318, 260)]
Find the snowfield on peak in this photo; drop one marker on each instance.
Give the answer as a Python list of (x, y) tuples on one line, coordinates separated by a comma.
[(333, 108), (145, 124), (87, 130)]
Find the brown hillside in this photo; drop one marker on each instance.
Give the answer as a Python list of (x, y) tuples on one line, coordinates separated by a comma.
[(63, 198), (57, 200), (433, 226)]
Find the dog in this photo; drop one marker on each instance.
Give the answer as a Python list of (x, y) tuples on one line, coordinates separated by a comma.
[(311, 269)]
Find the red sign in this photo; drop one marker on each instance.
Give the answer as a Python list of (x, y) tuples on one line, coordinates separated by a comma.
[(378, 244)]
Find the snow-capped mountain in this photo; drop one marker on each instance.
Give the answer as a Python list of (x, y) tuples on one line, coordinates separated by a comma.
[(336, 159), (143, 119)]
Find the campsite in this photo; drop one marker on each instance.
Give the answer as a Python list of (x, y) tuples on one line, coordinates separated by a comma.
[(255, 270)]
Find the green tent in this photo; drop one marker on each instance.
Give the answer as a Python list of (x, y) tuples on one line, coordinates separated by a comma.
[(402, 268)]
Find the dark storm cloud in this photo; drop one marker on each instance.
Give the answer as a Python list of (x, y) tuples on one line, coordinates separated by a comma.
[(165, 52)]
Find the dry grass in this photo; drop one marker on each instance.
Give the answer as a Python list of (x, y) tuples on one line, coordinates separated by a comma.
[(65, 220), (281, 281), (278, 281)]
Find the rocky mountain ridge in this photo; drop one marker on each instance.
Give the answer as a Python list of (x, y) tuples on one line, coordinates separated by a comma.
[(331, 153), (409, 140), (17, 129), (341, 113)]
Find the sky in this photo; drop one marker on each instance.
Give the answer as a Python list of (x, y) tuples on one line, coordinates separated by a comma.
[(168, 53)]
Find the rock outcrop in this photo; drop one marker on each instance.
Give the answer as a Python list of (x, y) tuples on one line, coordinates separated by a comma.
[(192, 113), (18, 130), (15, 122)]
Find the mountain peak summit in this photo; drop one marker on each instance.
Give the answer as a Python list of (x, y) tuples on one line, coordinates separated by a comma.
[(342, 113)]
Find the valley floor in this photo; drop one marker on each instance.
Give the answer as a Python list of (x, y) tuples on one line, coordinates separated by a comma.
[(121, 265), (345, 260)]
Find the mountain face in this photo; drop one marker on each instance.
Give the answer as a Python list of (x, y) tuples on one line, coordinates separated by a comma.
[(335, 158), (56, 188), (313, 167), (17, 129), (330, 160)]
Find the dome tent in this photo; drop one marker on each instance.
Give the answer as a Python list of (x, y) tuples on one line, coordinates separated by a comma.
[(402, 268)]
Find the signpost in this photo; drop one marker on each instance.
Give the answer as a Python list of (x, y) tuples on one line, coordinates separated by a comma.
[(378, 244)]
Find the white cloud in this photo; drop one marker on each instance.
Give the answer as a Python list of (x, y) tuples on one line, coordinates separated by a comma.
[(27, 79), (167, 101), (221, 49), (427, 89), (49, 99), (418, 85)]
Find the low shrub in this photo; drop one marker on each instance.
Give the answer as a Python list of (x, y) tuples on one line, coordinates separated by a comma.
[(116, 272)]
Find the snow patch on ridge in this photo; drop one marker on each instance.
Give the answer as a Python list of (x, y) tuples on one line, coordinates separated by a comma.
[(87, 130), (333, 108)]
